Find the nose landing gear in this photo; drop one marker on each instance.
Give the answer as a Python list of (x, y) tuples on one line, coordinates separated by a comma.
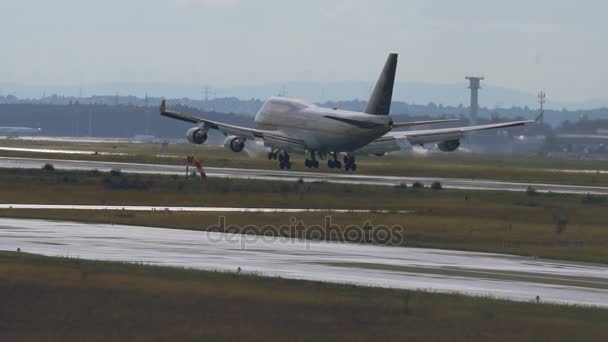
[(273, 155)]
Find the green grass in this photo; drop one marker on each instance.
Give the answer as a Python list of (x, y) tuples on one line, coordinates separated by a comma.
[(570, 227), (68, 299), (511, 168)]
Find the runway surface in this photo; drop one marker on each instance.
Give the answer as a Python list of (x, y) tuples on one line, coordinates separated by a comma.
[(501, 276), (50, 150), (189, 209), (345, 178)]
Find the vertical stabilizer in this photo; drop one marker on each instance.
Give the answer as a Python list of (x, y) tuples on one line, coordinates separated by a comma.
[(380, 102)]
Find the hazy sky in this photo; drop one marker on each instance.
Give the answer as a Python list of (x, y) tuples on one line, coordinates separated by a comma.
[(558, 45)]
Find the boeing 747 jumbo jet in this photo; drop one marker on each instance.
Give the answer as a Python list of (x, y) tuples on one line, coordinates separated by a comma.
[(289, 125)]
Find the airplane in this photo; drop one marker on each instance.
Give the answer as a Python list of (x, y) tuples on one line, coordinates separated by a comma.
[(19, 131), (288, 125)]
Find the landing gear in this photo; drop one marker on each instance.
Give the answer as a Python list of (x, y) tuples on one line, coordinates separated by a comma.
[(284, 161), (334, 163), (349, 163), (273, 155), (312, 162)]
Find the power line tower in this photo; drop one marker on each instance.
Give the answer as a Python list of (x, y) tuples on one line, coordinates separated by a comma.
[(541, 100), (206, 98), (147, 116), (90, 122)]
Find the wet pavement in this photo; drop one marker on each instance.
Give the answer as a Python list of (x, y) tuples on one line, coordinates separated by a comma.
[(486, 274)]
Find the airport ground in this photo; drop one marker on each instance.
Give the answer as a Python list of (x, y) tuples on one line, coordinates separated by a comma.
[(69, 299), (88, 297), (454, 165), (558, 226)]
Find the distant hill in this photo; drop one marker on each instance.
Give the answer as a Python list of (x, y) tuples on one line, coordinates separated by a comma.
[(413, 93)]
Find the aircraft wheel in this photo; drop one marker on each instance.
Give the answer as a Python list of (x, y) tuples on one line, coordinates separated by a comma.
[(337, 165), (353, 167), (331, 164)]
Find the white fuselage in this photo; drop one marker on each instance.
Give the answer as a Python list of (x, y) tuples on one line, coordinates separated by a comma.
[(321, 129)]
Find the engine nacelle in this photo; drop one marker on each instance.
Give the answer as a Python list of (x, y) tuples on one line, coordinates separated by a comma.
[(235, 144), (196, 135), (449, 146)]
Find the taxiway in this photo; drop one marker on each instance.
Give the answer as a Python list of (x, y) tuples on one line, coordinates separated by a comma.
[(485, 274)]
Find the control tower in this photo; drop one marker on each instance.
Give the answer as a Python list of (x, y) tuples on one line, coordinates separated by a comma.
[(474, 85)]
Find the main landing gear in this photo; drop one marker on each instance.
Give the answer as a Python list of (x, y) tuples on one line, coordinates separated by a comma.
[(334, 163), (284, 161), (312, 162), (283, 157), (349, 162)]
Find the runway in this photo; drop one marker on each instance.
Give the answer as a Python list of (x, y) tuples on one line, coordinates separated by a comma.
[(17, 206), (485, 274), (278, 175)]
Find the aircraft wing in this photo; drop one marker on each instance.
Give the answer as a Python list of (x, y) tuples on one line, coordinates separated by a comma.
[(419, 137), (277, 139), (395, 141), (419, 123)]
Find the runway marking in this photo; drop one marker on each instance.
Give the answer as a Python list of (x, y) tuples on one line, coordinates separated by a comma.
[(588, 282), (50, 151)]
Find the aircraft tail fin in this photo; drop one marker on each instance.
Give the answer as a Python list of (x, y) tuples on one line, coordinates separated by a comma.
[(380, 101)]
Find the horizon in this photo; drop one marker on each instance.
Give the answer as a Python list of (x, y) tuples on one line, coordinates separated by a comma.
[(235, 43), (446, 94)]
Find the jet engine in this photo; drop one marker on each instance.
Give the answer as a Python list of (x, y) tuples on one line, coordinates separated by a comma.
[(196, 135), (449, 145), (235, 144)]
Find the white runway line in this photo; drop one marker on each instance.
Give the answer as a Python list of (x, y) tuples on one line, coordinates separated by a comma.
[(190, 209), (486, 274), (47, 150)]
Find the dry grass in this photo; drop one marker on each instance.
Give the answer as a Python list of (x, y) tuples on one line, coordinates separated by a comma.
[(66, 299)]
